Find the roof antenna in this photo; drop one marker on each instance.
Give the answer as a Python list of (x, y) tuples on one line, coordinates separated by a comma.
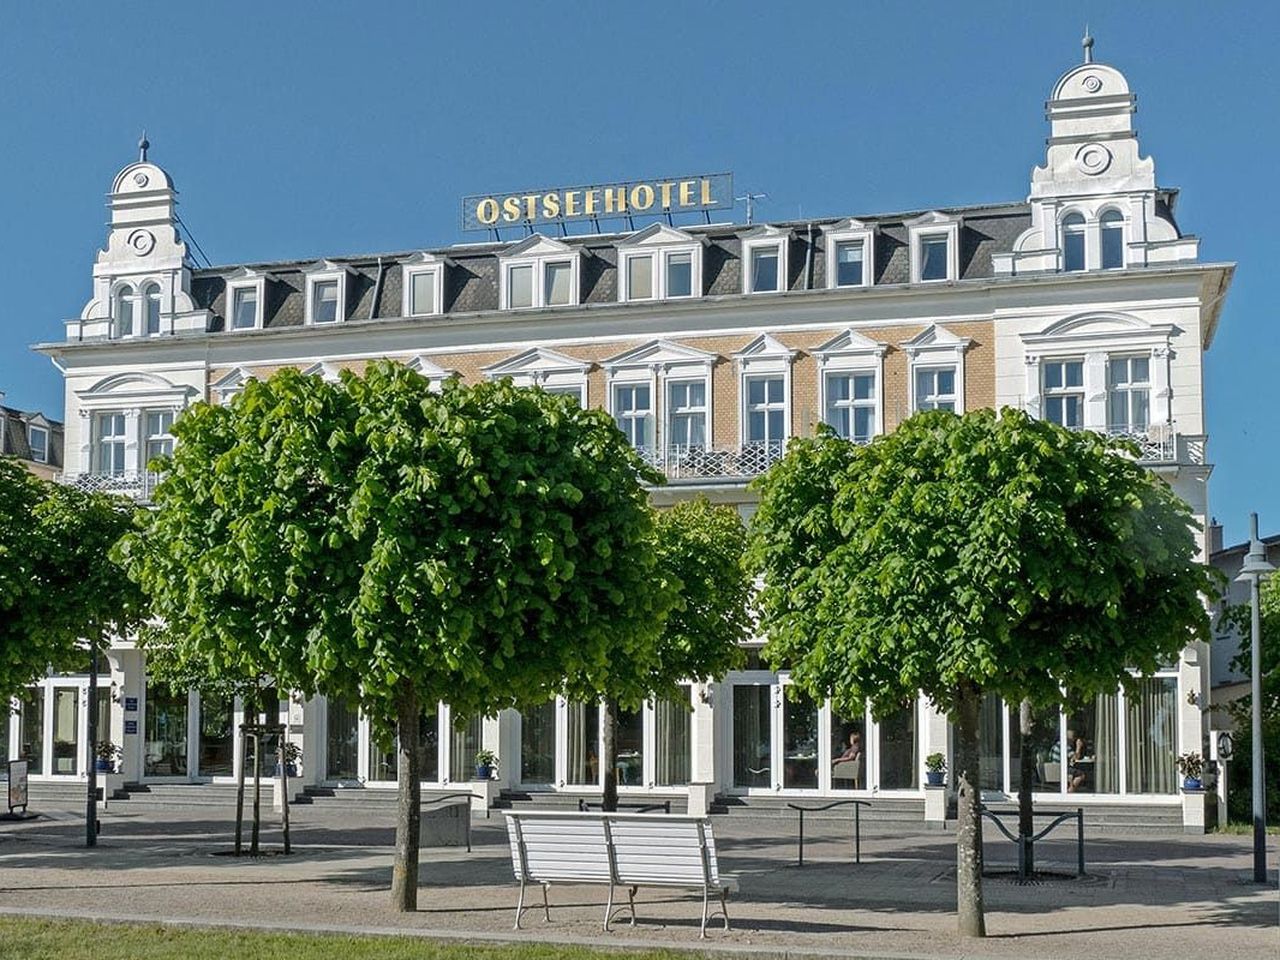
[(751, 199), (143, 146), (1087, 43)]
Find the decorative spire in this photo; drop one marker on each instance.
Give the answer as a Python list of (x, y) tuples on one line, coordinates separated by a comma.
[(1087, 43), (143, 146)]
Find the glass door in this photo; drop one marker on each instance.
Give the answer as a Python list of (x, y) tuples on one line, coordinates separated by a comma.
[(66, 731), (31, 729), (538, 745), (342, 741), (165, 732), (752, 736), (217, 736)]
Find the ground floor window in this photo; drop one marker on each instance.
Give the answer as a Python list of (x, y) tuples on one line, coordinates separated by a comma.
[(352, 752), (31, 729), (165, 732)]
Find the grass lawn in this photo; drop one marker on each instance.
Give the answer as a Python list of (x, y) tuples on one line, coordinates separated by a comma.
[(23, 938)]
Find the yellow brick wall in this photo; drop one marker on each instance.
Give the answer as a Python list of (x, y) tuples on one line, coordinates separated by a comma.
[(979, 383)]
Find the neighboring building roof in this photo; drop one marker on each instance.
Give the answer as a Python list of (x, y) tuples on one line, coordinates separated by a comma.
[(15, 435)]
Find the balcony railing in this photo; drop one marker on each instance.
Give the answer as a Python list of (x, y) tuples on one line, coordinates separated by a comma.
[(1156, 445), (734, 463), (139, 486)]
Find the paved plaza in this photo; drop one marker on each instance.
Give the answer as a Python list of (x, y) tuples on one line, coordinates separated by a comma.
[(1145, 896)]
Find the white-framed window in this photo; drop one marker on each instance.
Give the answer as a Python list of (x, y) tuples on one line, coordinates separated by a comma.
[(1111, 239), (1062, 391), (541, 367), (850, 249), (246, 299), (764, 260), (686, 414), (935, 248), (936, 364), (151, 309), (765, 409), (157, 427), (935, 388), (538, 272), (1128, 394), (851, 371), (633, 412), (125, 310), (764, 367), (851, 404), (109, 442), (659, 263), (423, 285), (1073, 242), (326, 293), (38, 442)]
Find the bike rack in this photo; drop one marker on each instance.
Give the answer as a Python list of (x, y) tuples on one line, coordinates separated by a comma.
[(857, 824), (1020, 841)]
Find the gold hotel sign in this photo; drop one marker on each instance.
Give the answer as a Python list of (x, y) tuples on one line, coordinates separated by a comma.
[(603, 201)]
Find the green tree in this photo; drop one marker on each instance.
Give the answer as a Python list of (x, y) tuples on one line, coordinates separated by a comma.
[(1240, 770), (961, 555), (700, 550), (375, 539)]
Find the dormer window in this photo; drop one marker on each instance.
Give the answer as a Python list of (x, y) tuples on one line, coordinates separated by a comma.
[(935, 248), (244, 309), (38, 441), (659, 263), (850, 254), (539, 272), (1073, 242), (764, 260), (933, 256), (1111, 234), (326, 293), (423, 277), (764, 268), (246, 299)]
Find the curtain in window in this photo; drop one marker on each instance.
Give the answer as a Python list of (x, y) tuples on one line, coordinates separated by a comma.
[(584, 744), (991, 742), (1151, 722), (538, 744), (464, 743), (752, 737), (673, 741)]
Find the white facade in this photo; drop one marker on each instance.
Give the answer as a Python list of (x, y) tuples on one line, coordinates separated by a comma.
[(855, 322)]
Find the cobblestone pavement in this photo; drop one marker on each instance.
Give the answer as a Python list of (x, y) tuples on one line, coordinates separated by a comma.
[(1144, 896)]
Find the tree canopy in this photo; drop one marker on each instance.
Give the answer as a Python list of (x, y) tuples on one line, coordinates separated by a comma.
[(58, 586), (965, 554), (379, 540)]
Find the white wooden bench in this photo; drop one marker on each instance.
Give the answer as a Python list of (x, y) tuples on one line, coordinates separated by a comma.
[(629, 850)]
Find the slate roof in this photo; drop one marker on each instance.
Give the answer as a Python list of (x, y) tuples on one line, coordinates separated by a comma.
[(13, 435), (471, 273)]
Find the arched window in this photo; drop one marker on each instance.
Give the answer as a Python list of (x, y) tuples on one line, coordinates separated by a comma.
[(124, 311), (1073, 242), (151, 303), (1112, 231)]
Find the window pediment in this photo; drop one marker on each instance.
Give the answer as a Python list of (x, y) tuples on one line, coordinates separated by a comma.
[(851, 344), (539, 360), (935, 339), (661, 354), (660, 235)]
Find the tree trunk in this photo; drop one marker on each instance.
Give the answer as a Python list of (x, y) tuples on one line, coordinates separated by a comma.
[(609, 756), (404, 875), (1026, 775), (968, 813)]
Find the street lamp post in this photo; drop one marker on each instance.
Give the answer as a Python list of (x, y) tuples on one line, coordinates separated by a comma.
[(1254, 568)]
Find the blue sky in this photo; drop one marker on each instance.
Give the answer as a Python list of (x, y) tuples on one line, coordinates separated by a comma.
[(301, 130)]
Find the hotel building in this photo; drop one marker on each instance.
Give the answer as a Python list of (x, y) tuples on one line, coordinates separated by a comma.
[(711, 345)]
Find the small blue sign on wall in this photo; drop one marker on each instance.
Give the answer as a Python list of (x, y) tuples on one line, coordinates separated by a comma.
[(130, 704), (131, 726)]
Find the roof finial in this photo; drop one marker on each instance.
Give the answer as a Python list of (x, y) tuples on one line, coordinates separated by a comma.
[(1087, 43), (143, 146)]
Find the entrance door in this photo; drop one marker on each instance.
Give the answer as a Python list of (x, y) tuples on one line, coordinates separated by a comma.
[(538, 745), (31, 729), (753, 736), (342, 741), (66, 731), (166, 727), (217, 736)]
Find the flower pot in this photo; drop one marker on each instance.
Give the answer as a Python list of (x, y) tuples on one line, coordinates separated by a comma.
[(935, 778), (104, 766), (1192, 783), (291, 767), (484, 771)]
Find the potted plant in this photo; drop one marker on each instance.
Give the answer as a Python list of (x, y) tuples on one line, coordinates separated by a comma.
[(107, 753), (935, 766), (292, 757), (1192, 766), (486, 763)]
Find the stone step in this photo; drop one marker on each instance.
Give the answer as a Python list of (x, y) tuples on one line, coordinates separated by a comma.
[(179, 795), (371, 799), (71, 793)]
